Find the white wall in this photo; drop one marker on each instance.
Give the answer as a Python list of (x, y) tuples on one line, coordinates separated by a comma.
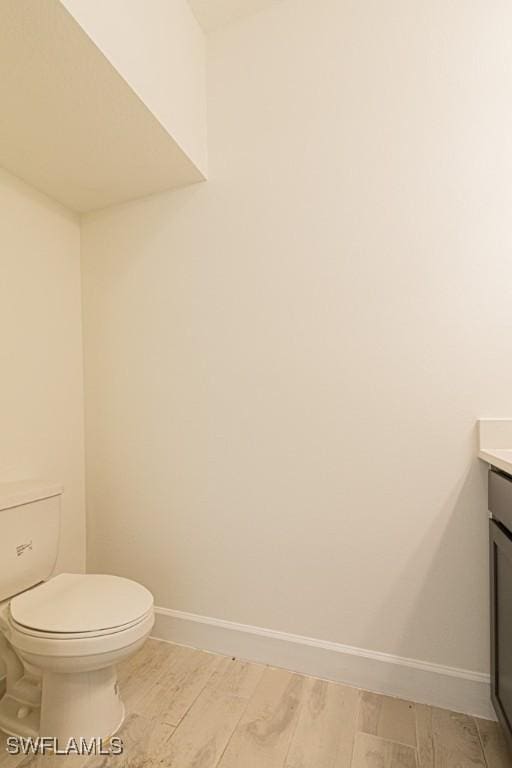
[(159, 49), (284, 366), (216, 14), (41, 380)]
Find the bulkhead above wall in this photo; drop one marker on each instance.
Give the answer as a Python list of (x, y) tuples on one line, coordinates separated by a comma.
[(90, 115)]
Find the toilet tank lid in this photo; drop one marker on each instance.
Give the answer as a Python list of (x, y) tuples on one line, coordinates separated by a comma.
[(14, 494)]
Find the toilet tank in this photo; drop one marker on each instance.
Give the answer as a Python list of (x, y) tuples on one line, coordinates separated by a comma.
[(29, 534)]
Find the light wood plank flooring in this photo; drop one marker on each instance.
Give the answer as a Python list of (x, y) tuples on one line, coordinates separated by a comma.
[(191, 709)]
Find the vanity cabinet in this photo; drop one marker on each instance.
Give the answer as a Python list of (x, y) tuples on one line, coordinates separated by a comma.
[(500, 530)]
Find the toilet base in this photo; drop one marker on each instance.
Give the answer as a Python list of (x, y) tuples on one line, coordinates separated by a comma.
[(81, 705), (26, 726)]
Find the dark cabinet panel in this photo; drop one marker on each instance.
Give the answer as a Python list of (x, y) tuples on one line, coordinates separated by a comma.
[(501, 624), (500, 498)]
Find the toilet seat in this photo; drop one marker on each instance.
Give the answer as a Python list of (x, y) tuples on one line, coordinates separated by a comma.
[(42, 644), (74, 604), (80, 615), (76, 635)]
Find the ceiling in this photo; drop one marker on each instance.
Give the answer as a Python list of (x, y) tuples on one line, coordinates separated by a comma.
[(212, 14)]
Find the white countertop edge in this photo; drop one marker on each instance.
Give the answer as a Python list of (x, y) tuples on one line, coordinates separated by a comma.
[(495, 443), (499, 458)]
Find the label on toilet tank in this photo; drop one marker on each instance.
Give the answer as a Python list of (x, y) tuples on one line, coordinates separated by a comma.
[(21, 548)]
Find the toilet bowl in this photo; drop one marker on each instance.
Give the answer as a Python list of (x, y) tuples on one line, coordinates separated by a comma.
[(73, 630), (62, 636)]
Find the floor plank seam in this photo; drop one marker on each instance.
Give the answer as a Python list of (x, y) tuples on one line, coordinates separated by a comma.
[(244, 710), (390, 741), (355, 720), (481, 743), (297, 716), (177, 725)]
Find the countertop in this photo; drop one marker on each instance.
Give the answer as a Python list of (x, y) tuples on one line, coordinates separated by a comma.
[(495, 443)]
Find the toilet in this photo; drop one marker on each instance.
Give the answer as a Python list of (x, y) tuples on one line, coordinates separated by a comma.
[(61, 636)]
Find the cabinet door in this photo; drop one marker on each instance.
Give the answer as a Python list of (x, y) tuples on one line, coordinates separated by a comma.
[(500, 498), (501, 623)]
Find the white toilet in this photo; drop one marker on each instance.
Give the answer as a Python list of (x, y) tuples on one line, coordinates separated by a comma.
[(62, 636)]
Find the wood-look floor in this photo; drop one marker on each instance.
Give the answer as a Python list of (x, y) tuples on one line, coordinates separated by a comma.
[(191, 709)]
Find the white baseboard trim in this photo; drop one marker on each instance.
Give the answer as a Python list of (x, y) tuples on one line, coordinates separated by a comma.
[(420, 681)]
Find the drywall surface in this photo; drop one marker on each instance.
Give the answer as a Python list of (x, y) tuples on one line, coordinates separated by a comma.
[(216, 14), (41, 381), (284, 367), (158, 47)]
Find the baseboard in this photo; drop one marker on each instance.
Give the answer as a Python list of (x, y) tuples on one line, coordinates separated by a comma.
[(448, 687)]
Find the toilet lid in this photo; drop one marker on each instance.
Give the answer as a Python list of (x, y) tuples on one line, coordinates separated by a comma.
[(74, 602)]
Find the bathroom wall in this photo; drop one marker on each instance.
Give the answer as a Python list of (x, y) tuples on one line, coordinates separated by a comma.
[(284, 365), (41, 379), (213, 15)]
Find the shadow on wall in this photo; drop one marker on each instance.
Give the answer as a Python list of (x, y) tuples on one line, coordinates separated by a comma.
[(458, 537)]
